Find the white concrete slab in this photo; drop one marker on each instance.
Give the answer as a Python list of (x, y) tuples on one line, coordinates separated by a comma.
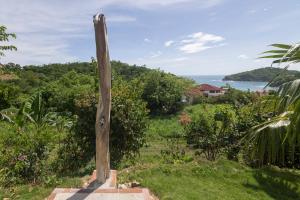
[(99, 196)]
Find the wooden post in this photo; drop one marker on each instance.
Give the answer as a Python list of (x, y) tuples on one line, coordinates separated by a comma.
[(104, 104)]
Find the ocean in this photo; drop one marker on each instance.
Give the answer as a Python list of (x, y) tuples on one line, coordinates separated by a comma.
[(217, 81)]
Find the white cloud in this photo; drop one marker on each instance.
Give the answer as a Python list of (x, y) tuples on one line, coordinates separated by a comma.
[(243, 56), (155, 54), (169, 43), (45, 30), (149, 4), (199, 41), (35, 21), (147, 40)]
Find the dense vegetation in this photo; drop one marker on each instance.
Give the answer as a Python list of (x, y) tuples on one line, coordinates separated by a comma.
[(48, 115), (266, 74), (224, 146), (173, 170)]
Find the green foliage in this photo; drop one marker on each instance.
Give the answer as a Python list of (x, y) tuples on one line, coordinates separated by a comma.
[(174, 152), (27, 142), (235, 97), (128, 121), (163, 92), (277, 140), (128, 72), (8, 95), (5, 37), (284, 53), (75, 93), (23, 155), (213, 130)]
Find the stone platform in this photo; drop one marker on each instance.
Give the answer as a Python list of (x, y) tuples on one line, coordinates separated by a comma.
[(106, 191), (100, 194)]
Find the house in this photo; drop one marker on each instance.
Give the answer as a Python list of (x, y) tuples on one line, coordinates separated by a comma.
[(210, 90), (202, 90)]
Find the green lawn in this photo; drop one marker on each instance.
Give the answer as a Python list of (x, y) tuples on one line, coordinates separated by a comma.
[(38, 192)]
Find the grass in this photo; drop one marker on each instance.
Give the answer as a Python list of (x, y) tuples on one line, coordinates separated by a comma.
[(37, 192), (201, 179)]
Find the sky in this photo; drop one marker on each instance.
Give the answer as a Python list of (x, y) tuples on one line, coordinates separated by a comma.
[(184, 37)]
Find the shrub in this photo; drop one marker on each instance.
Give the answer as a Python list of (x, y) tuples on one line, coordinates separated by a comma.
[(212, 131), (201, 134), (8, 95), (173, 151), (163, 92), (128, 120), (23, 155)]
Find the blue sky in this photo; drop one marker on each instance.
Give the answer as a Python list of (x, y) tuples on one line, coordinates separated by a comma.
[(186, 37)]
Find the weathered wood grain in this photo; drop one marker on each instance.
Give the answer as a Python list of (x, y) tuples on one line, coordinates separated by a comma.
[(104, 104)]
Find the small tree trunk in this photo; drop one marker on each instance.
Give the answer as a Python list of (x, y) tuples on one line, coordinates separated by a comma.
[(104, 104)]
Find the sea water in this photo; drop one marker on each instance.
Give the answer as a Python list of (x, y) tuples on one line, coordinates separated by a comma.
[(217, 80)]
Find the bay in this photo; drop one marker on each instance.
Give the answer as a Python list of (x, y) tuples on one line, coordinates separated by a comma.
[(217, 80)]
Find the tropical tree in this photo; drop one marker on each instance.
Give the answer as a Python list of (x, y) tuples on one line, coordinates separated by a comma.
[(5, 37), (277, 140), (33, 110)]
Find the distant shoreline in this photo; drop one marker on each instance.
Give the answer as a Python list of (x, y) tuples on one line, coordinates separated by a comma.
[(217, 80)]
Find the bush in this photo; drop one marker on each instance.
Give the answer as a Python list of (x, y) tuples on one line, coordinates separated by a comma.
[(173, 153), (8, 95), (163, 92), (212, 131), (23, 154), (128, 119)]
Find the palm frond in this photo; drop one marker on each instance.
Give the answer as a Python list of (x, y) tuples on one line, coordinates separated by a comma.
[(280, 135), (289, 94), (267, 139), (282, 46)]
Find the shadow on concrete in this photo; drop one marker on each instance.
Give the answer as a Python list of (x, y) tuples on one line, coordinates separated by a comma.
[(85, 192)]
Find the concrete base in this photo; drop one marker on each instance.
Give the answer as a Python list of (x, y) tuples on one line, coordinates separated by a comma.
[(110, 183), (107, 191), (100, 194)]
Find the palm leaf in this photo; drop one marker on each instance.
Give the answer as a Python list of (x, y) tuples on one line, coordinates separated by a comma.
[(281, 46), (289, 94), (268, 138), (272, 138), (275, 51)]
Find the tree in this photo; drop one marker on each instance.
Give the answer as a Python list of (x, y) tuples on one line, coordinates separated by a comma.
[(162, 92), (33, 110), (213, 130), (277, 140), (5, 37)]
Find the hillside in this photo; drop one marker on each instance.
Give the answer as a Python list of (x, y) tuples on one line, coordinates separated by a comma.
[(265, 74)]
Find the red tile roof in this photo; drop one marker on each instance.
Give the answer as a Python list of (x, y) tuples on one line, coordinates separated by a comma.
[(207, 87), (195, 91), (199, 89)]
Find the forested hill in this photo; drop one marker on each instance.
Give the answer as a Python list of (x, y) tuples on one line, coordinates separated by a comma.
[(27, 78), (51, 72), (265, 74), (32, 76)]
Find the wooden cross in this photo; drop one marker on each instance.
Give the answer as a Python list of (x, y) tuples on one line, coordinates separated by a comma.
[(104, 104)]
